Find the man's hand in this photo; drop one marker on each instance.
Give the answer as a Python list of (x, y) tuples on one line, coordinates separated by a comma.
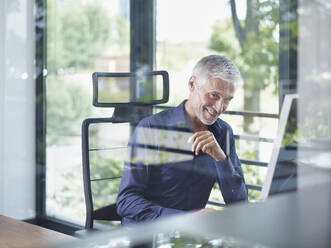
[(206, 142), (201, 211), (205, 210)]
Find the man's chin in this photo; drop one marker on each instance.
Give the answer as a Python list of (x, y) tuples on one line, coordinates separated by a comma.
[(208, 119), (208, 122)]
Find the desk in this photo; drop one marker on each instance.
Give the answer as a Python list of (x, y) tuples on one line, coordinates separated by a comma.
[(297, 219), (15, 233)]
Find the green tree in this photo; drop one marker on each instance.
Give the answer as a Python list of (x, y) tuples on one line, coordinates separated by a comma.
[(253, 44), (68, 104), (122, 34), (104, 190), (77, 33)]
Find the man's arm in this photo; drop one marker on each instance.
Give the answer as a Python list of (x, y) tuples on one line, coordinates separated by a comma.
[(131, 201), (230, 176), (229, 173)]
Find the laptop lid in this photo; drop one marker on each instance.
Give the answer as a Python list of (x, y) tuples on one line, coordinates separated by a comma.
[(282, 169)]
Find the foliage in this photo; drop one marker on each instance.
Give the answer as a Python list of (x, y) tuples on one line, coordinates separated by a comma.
[(104, 191), (257, 55), (291, 132), (174, 56), (121, 34), (252, 177), (223, 40), (251, 172), (67, 105), (77, 33)]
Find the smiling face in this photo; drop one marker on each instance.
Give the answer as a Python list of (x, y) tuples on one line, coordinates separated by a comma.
[(208, 100)]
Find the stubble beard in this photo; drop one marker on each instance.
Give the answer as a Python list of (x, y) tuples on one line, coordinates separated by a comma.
[(206, 121)]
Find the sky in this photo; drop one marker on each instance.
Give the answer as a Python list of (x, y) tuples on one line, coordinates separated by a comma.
[(185, 20), (192, 20)]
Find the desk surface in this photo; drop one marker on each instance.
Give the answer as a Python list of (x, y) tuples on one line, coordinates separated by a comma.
[(300, 219), (15, 233)]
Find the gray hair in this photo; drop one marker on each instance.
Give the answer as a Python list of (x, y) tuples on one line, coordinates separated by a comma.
[(218, 66)]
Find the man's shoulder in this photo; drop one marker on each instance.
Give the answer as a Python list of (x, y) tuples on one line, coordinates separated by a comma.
[(221, 126), (162, 118)]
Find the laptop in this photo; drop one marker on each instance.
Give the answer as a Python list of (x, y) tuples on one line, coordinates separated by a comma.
[(282, 169)]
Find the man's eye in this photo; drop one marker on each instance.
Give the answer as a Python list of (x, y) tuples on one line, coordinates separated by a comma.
[(214, 95)]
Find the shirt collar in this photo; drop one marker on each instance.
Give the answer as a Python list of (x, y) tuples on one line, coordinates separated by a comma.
[(180, 119)]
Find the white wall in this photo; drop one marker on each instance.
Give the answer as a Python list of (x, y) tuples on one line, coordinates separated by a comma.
[(17, 109)]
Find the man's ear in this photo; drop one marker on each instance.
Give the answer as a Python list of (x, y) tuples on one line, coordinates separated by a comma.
[(191, 83)]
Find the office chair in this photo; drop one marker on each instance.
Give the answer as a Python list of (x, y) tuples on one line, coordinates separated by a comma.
[(127, 112)]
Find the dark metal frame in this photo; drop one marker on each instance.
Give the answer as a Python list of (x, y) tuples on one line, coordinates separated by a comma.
[(142, 38), (288, 55), (40, 53), (142, 34)]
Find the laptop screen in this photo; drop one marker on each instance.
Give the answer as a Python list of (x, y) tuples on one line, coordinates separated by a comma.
[(282, 169)]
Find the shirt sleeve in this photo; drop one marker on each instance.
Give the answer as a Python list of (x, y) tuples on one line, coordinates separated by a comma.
[(132, 204), (230, 176)]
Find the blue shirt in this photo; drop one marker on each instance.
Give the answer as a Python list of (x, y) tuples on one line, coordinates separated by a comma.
[(162, 176)]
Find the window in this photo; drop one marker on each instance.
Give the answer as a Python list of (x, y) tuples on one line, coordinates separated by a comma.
[(88, 36), (82, 37)]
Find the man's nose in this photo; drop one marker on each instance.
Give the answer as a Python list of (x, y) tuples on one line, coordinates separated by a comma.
[(219, 106)]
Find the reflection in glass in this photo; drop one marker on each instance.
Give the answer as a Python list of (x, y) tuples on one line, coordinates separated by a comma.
[(180, 239), (161, 239), (315, 90), (158, 146)]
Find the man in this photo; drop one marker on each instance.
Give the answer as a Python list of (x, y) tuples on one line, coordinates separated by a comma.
[(165, 175)]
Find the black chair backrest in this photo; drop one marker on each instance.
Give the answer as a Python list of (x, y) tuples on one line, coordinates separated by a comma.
[(107, 212), (127, 114)]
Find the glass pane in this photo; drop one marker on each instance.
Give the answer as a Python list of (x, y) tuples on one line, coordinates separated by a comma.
[(183, 40), (83, 36), (314, 80)]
